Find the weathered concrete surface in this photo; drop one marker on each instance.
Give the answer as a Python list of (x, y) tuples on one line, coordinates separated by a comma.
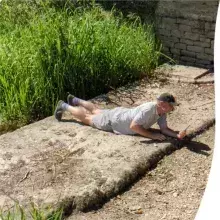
[(66, 160), (187, 74), (52, 162), (209, 77), (181, 71)]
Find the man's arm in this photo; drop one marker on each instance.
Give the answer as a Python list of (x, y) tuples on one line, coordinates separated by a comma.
[(169, 132), (146, 133)]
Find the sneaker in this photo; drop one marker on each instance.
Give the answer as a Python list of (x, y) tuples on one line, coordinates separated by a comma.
[(59, 111), (70, 99)]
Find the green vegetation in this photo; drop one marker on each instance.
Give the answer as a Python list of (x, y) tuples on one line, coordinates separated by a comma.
[(35, 213), (48, 50)]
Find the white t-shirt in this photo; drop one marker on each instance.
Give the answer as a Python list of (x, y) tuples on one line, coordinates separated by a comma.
[(120, 118)]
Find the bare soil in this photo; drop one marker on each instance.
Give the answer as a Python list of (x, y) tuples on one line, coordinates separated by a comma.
[(173, 190)]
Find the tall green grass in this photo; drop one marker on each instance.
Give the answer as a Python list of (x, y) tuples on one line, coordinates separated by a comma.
[(34, 213), (47, 51)]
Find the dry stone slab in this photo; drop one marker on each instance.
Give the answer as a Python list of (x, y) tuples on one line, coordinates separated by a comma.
[(181, 71), (209, 51), (180, 46), (67, 163), (188, 53), (195, 49), (186, 41), (51, 162), (208, 78), (188, 59), (205, 57)]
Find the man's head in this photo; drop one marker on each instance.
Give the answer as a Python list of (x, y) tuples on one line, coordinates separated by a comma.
[(166, 103)]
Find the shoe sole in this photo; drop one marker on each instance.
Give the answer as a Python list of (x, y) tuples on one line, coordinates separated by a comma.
[(58, 111), (69, 97)]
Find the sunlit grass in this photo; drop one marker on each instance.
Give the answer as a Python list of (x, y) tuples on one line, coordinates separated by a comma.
[(46, 52)]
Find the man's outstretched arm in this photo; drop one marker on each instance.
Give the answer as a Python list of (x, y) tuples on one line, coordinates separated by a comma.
[(146, 133), (169, 132)]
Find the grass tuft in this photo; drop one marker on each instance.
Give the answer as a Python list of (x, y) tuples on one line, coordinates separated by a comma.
[(35, 213)]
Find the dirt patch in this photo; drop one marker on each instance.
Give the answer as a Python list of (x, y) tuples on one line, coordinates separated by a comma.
[(196, 102), (180, 71), (173, 190)]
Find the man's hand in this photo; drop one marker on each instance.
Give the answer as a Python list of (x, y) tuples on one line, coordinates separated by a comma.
[(181, 134), (158, 136)]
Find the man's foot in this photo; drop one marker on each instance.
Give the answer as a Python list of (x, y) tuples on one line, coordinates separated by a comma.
[(59, 110), (72, 100)]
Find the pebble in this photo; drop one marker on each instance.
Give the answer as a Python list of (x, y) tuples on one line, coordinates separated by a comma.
[(175, 194), (135, 208), (138, 211)]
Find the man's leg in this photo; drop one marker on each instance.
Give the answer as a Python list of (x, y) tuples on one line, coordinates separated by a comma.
[(79, 113), (74, 101)]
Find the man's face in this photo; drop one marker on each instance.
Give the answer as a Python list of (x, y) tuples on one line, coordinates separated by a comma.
[(166, 107)]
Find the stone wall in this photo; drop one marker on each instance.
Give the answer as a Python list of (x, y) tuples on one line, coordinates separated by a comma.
[(186, 30), (145, 9)]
